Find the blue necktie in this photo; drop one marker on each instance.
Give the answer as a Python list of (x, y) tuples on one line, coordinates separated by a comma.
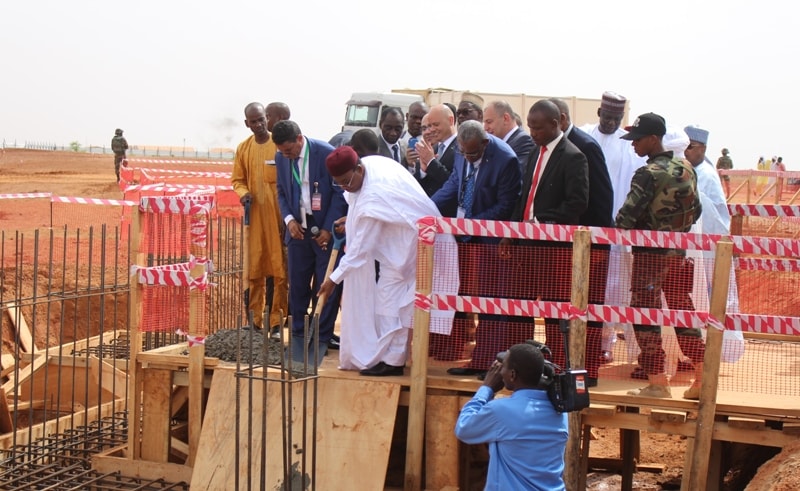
[(395, 153), (469, 190)]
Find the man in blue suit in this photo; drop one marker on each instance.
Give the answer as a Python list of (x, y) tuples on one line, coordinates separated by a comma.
[(485, 184), (309, 203)]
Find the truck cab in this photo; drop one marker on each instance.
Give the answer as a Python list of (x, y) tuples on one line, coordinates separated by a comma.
[(364, 108)]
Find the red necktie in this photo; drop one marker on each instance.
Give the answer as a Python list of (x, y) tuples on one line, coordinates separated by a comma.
[(534, 184)]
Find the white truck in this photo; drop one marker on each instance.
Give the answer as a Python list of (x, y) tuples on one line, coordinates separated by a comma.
[(364, 108)]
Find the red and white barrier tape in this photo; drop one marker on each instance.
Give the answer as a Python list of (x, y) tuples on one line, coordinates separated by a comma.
[(757, 173), (185, 204), (766, 246), (92, 201), (766, 324), (191, 339), (25, 195), (764, 210), (757, 264), (181, 162)]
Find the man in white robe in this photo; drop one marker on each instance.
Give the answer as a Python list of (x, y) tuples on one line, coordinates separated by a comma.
[(622, 162), (385, 203), (716, 219)]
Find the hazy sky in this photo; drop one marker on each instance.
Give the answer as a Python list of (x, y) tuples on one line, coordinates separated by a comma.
[(172, 70)]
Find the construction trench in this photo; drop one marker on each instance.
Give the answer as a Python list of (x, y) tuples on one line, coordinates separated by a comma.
[(81, 367)]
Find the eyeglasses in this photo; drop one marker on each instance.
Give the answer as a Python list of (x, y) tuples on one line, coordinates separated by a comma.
[(335, 183), (692, 146), (472, 155)]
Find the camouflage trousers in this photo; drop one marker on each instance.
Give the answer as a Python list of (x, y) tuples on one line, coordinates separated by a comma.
[(117, 163), (673, 275)]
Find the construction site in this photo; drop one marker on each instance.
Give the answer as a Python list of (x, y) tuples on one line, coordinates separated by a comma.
[(128, 361)]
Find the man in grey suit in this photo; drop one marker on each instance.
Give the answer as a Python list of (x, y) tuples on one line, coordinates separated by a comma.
[(391, 125), (498, 119)]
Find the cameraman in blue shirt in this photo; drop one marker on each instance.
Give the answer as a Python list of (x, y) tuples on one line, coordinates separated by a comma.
[(527, 437)]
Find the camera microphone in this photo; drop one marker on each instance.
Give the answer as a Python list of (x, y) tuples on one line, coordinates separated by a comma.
[(315, 231)]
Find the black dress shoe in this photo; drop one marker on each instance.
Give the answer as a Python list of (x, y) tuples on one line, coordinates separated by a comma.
[(591, 382), (465, 371), (333, 342), (382, 370)]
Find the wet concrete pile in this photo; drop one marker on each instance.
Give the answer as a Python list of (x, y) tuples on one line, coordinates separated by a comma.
[(252, 346)]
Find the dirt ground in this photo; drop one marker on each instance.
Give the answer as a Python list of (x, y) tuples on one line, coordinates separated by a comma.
[(84, 175)]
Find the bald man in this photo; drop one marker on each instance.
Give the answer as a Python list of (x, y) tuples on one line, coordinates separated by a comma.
[(499, 120), (254, 180), (437, 151)]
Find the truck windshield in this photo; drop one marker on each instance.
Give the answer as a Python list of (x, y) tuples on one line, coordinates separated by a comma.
[(362, 115)]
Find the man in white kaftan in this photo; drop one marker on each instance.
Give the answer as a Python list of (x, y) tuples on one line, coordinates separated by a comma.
[(716, 219), (385, 203), (622, 163)]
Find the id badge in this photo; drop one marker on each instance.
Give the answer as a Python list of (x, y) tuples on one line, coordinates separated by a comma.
[(316, 198)]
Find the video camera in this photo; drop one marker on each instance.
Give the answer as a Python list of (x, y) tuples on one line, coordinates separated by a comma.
[(566, 389)]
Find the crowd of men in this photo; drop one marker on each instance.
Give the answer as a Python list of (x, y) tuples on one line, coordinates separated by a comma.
[(472, 161)]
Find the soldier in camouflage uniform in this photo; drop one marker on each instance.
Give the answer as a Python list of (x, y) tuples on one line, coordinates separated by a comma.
[(725, 163), (663, 197), (119, 146)]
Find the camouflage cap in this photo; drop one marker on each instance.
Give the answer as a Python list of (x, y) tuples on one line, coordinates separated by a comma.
[(118, 131)]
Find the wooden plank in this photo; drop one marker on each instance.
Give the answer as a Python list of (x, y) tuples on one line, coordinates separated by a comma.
[(600, 410), (441, 444), (661, 416), (698, 467), (157, 389), (747, 423), (108, 378), (791, 429), (137, 257), (196, 367), (415, 440), (15, 378), (355, 421), (174, 362), (615, 466), (152, 471), (6, 423), (26, 340), (581, 244)]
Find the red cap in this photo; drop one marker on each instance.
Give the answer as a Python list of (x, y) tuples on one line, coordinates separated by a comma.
[(341, 160)]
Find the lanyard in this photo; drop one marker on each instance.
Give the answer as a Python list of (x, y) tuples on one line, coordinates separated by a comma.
[(299, 177)]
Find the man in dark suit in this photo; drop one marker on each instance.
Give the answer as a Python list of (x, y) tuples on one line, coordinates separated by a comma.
[(437, 151), (597, 214), (498, 119), (309, 204), (555, 189), (391, 125), (484, 185)]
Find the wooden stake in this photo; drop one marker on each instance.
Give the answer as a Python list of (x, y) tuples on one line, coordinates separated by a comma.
[(698, 466), (581, 252), (135, 338), (415, 442)]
